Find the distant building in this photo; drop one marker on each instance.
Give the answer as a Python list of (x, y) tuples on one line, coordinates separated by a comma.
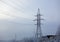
[(48, 38), (51, 38)]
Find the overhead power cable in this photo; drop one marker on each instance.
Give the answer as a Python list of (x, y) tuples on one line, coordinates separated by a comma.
[(11, 6)]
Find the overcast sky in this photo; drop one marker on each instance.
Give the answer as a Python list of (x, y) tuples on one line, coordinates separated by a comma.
[(16, 17)]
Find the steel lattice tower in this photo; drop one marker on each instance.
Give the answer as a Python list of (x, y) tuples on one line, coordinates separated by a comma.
[(38, 30)]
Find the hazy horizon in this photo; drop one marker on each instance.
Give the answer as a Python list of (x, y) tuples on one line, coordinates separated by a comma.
[(16, 17)]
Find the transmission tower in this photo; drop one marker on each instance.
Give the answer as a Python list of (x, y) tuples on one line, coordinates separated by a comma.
[(38, 34)]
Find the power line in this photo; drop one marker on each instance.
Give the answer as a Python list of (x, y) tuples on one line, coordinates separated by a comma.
[(12, 6), (9, 12), (16, 4)]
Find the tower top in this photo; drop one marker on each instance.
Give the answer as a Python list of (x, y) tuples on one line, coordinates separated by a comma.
[(38, 11)]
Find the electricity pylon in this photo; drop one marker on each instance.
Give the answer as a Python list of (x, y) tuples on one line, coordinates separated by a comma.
[(38, 30)]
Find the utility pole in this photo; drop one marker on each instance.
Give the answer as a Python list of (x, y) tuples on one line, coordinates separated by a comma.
[(38, 30)]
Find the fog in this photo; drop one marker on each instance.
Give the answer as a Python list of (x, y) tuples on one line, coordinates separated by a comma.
[(16, 17)]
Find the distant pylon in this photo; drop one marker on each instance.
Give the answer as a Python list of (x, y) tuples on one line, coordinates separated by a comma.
[(38, 30)]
